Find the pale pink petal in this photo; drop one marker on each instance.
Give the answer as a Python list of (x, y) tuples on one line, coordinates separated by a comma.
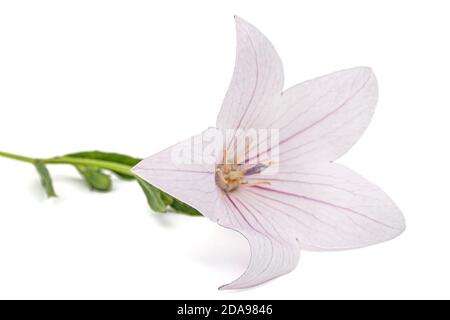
[(310, 203), (191, 180), (256, 84), (320, 119), (325, 207), (272, 254)]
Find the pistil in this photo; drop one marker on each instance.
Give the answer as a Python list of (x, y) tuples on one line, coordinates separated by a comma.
[(230, 177)]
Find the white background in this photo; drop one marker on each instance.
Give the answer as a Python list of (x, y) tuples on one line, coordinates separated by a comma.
[(138, 76)]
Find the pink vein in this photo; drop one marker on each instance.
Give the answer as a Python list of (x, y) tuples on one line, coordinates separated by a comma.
[(254, 87), (321, 119), (328, 204), (250, 225)]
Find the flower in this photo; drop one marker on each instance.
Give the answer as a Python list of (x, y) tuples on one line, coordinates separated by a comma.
[(288, 195)]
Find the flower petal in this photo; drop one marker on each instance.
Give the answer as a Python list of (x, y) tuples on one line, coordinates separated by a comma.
[(256, 83), (320, 207), (272, 254), (326, 207), (182, 172), (320, 119)]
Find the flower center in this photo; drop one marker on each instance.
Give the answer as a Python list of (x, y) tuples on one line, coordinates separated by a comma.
[(231, 176)]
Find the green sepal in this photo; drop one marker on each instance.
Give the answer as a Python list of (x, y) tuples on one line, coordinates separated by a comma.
[(182, 207), (153, 196), (167, 199)]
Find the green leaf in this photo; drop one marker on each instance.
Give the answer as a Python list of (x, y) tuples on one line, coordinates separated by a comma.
[(95, 178), (157, 199), (153, 196), (109, 156), (182, 207), (46, 180)]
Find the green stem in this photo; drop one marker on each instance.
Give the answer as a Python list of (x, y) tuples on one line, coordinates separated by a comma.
[(16, 157), (108, 165), (157, 199), (117, 167)]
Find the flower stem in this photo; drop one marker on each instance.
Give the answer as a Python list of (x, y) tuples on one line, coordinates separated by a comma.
[(108, 165), (90, 165), (17, 157)]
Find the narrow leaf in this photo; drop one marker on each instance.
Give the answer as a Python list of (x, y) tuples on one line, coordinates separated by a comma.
[(46, 180), (95, 178), (108, 156), (153, 196), (167, 199), (182, 207)]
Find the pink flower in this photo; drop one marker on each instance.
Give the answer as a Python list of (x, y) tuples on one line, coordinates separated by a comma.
[(286, 194)]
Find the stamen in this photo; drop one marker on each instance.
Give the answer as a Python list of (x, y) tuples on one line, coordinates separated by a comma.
[(247, 151), (225, 160), (220, 179), (229, 175), (255, 183), (235, 162)]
